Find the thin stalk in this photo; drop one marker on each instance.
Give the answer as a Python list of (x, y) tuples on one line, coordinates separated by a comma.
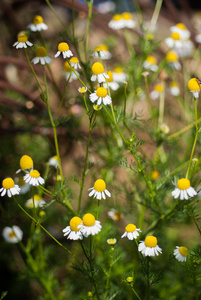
[(90, 6), (183, 130), (148, 97), (155, 16), (148, 280), (62, 99), (161, 105), (109, 272), (136, 294)]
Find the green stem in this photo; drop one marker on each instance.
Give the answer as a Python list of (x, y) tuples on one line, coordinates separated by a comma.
[(148, 278), (181, 131), (155, 16), (136, 294), (109, 273), (90, 6), (62, 99)]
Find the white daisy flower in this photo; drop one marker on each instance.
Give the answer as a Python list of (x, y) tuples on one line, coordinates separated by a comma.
[(174, 40), (119, 75), (114, 214), (101, 52), (116, 22), (12, 234), (90, 226), (182, 30), (82, 89), (98, 73), (174, 89), (101, 96), (64, 49), (132, 232), (68, 72), (150, 63), (74, 62), (194, 87), (26, 163), (53, 161), (9, 188), (149, 247), (198, 38), (111, 241), (24, 187), (186, 49), (183, 190), (155, 94), (180, 253), (99, 190), (73, 232), (34, 178), (165, 128), (112, 84), (127, 20), (37, 24), (173, 60), (41, 56), (22, 42), (36, 201)]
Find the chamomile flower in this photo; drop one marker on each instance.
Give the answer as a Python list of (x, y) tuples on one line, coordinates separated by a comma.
[(128, 22), (82, 89), (74, 62), (114, 214), (26, 163), (198, 38), (173, 60), (116, 22), (112, 84), (34, 178), (182, 30), (98, 72), (37, 24), (180, 253), (36, 201), (41, 56), (194, 87), (155, 94), (99, 190), (63, 49), (9, 188), (24, 187), (119, 75), (183, 190), (53, 161), (68, 72), (174, 40), (101, 96), (155, 174), (131, 232), (12, 234), (151, 63), (73, 231), (149, 247), (102, 52), (111, 241), (174, 88), (90, 226), (22, 41), (165, 128)]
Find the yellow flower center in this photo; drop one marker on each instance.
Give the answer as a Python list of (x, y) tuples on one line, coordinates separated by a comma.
[(97, 68), (41, 52), (183, 251), (37, 20), (118, 70), (173, 84), (100, 185), (193, 85), (111, 241), (12, 234), (88, 220), (74, 60), (97, 107), (55, 157), (37, 197), (26, 162), (155, 174), (151, 241), (34, 174), (152, 60), (83, 90), (63, 47), (110, 79), (129, 279), (158, 88), (183, 184), (22, 38), (117, 17), (130, 228), (8, 183), (74, 222), (101, 48), (175, 36), (67, 67), (171, 56), (126, 16), (101, 92), (181, 26)]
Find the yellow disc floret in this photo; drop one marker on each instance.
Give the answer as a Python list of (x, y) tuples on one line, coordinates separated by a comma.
[(181, 26), (34, 174), (41, 52), (130, 228), (63, 47), (97, 68), (193, 85), (67, 67), (101, 92), (99, 184), (26, 162), (151, 241), (183, 184), (88, 220), (151, 59), (173, 84), (126, 16), (110, 79), (155, 174), (22, 38), (37, 20), (101, 48), (117, 17), (172, 56), (158, 88), (111, 241), (183, 251), (74, 60), (74, 222), (175, 36), (12, 234), (118, 70), (37, 197), (8, 183)]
